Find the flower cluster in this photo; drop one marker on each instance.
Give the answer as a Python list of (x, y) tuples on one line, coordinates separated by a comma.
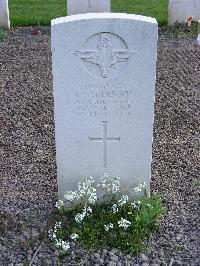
[(111, 184), (92, 196), (63, 245), (100, 213), (71, 195), (80, 216), (53, 232), (59, 243), (140, 187), (85, 185), (85, 190), (124, 223), (123, 200)]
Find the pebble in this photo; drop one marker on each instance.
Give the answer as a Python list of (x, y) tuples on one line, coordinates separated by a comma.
[(97, 255), (111, 263), (35, 232), (144, 257), (104, 251), (177, 263), (114, 258), (101, 261), (128, 257)]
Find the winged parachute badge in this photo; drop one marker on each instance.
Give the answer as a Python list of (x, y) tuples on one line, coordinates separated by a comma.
[(104, 56)]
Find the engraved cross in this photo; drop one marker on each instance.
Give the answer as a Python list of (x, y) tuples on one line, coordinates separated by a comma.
[(104, 139)]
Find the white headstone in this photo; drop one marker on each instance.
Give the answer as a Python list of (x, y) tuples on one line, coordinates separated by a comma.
[(4, 14), (87, 6), (179, 10), (104, 70)]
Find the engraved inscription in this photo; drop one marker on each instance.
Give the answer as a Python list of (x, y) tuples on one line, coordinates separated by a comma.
[(107, 51), (104, 139), (102, 101)]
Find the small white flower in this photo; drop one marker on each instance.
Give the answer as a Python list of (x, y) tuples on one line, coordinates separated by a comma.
[(111, 225), (137, 189), (140, 187), (71, 195), (85, 185), (92, 198), (123, 200), (114, 208), (143, 185), (92, 195), (108, 227), (124, 223), (65, 245), (59, 204), (62, 244), (58, 243), (57, 225), (73, 236), (51, 234), (86, 189), (110, 183), (54, 235), (89, 209), (134, 205), (79, 217)]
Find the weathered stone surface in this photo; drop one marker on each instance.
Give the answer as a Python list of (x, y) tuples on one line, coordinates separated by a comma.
[(4, 14), (179, 10), (87, 6), (104, 77)]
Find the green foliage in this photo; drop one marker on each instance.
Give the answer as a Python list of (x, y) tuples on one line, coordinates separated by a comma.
[(29, 243), (92, 233), (34, 12), (2, 34), (115, 222)]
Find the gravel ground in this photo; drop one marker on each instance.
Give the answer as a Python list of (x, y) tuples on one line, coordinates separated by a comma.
[(27, 162)]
